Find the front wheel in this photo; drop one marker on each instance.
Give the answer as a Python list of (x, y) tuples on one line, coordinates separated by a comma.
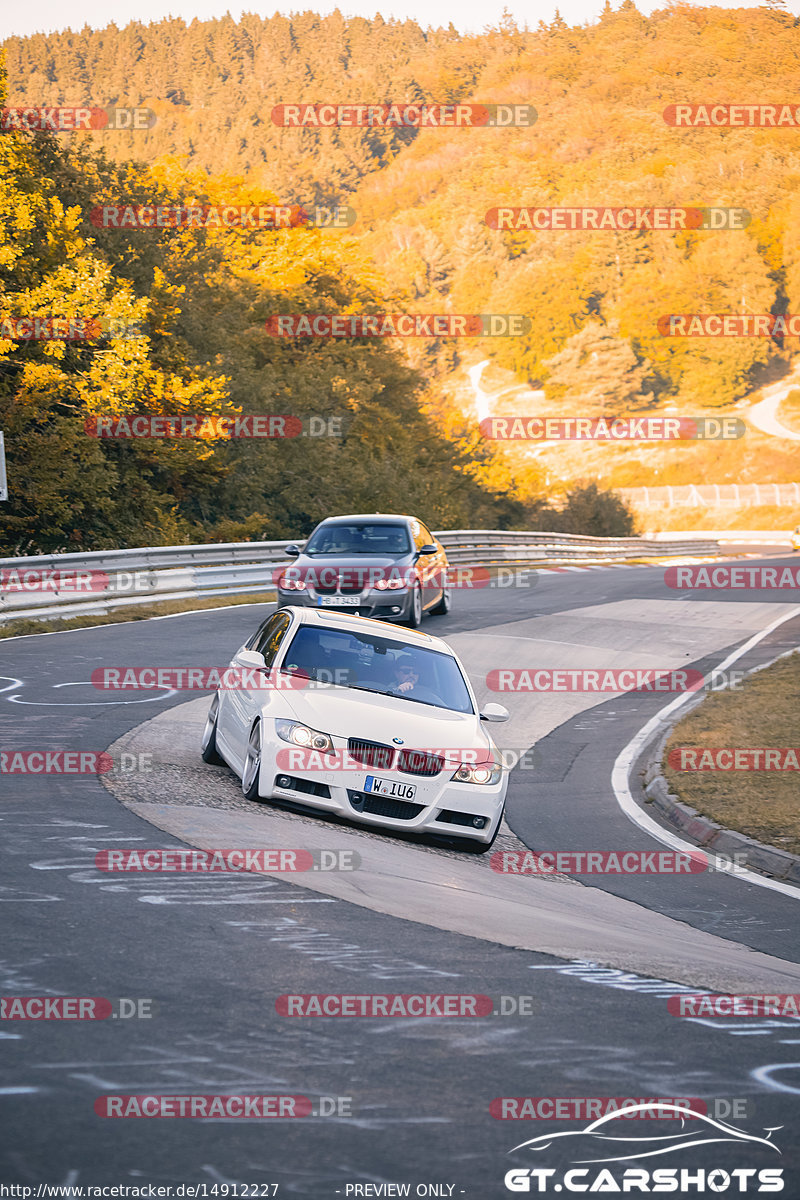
[(415, 614), (208, 743), (442, 607), (252, 765)]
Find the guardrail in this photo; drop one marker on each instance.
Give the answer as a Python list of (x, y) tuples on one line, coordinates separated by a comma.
[(98, 581)]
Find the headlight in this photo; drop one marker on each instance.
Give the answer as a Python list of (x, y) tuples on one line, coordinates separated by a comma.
[(479, 773), (390, 585), (292, 585), (302, 735)]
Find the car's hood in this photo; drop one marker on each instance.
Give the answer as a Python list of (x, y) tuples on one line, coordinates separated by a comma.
[(345, 713), (349, 560)]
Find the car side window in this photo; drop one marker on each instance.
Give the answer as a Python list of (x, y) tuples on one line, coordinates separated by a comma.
[(270, 636)]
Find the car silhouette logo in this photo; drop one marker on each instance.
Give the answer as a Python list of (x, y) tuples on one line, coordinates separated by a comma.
[(605, 1134)]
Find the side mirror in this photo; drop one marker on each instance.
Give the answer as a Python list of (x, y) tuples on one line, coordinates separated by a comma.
[(292, 550), (250, 658), (429, 549), (494, 712)]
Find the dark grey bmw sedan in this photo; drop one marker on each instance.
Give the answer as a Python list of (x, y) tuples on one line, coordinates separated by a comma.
[(373, 565)]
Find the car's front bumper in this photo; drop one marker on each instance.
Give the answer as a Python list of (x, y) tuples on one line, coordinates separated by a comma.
[(439, 805), (387, 605)]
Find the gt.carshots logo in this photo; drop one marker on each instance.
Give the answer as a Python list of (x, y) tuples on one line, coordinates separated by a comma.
[(403, 325), (679, 1180), (609, 1139)]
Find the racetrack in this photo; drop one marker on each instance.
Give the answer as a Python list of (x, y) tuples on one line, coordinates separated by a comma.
[(216, 952)]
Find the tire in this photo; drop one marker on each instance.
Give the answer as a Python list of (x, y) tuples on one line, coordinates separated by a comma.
[(414, 619), (208, 743), (252, 765), (442, 608)]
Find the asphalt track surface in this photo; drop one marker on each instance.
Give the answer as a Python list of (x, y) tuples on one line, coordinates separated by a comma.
[(214, 953)]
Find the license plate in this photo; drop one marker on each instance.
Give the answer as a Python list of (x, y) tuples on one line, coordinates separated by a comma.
[(339, 601), (390, 787)]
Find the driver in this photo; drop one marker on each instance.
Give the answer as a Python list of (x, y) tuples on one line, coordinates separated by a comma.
[(406, 674)]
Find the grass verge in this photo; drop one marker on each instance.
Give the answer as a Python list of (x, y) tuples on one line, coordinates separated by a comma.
[(20, 626), (763, 712)]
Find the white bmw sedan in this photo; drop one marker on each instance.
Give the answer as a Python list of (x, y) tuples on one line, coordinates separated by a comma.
[(362, 719)]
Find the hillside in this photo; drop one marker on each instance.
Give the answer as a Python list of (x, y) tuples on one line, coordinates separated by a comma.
[(421, 240)]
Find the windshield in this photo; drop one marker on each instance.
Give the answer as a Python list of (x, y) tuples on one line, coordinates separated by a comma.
[(367, 662), (369, 538)]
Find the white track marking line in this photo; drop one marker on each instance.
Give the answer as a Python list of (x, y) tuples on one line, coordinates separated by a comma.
[(627, 757)]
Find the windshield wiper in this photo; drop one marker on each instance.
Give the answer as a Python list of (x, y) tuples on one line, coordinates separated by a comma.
[(415, 700)]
